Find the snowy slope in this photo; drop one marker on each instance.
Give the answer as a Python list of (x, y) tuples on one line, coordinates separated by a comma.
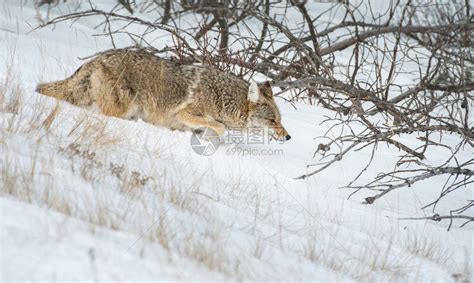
[(89, 197)]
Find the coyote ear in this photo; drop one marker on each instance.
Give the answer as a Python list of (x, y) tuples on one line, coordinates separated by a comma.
[(266, 89), (254, 92)]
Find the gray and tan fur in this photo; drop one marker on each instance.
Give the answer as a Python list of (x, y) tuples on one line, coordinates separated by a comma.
[(136, 84)]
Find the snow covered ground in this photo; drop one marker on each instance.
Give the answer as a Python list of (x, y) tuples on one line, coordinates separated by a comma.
[(89, 197)]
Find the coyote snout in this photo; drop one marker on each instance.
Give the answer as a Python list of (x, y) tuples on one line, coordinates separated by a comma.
[(136, 84)]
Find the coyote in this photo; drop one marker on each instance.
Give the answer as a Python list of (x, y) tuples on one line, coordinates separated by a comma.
[(137, 84)]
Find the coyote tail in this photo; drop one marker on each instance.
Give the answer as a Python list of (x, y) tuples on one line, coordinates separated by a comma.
[(74, 89), (57, 89)]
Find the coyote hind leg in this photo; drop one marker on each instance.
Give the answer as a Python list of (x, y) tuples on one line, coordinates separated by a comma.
[(112, 95)]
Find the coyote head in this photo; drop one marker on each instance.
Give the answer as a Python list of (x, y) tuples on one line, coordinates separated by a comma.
[(263, 111)]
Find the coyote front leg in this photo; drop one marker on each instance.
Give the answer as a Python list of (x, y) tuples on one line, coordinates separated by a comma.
[(196, 121)]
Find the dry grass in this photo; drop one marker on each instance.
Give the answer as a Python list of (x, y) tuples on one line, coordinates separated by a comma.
[(34, 180), (22, 183), (311, 252), (27, 184), (49, 120), (149, 202), (35, 183), (161, 232), (428, 248), (11, 93), (208, 249), (16, 181), (259, 247), (367, 258), (91, 130)]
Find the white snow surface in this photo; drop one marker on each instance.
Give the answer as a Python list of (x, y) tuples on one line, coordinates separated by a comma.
[(90, 197)]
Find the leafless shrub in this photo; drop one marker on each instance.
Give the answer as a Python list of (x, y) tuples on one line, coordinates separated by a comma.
[(367, 91)]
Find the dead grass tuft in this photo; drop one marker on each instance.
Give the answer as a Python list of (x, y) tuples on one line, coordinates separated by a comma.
[(90, 130), (208, 249), (428, 248), (11, 93), (52, 115)]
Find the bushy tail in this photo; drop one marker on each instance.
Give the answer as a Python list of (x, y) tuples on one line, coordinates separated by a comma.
[(73, 89), (57, 89)]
